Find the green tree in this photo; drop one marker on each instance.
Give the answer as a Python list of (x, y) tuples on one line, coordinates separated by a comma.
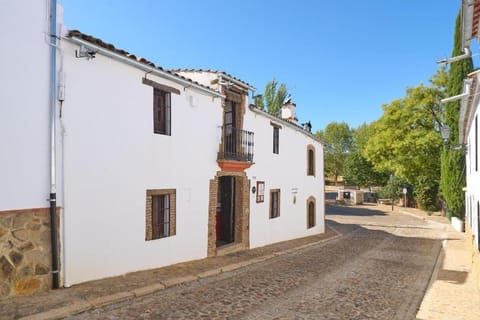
[(274, 97), (453, 161), (357, 169), (339, 139), (406, 140), (393, 188)]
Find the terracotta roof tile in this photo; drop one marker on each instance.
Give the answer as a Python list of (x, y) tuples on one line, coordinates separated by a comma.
[(212, 71), (111, 47)]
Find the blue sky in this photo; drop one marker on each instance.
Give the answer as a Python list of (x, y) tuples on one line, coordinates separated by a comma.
[(341, 60)]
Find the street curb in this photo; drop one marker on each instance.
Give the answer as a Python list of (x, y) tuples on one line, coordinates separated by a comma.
[(411, 310), (59, 313), (91, 304), (112, 298), (176, 281), (143, 291), (434, 275)]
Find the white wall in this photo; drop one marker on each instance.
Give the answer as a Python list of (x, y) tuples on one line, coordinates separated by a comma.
[(24, 105), (472, 195), (203, 77), (286, 171), (112, 157)]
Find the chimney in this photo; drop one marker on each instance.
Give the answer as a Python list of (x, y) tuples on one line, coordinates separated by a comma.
[(288, 111)]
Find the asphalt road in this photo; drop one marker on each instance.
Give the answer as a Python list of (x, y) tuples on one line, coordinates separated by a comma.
[(378, 269)]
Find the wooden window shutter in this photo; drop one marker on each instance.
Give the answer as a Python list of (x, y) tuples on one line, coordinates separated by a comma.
[(162, 111)]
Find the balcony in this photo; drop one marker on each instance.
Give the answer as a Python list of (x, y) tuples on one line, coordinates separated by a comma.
[(236, 149)]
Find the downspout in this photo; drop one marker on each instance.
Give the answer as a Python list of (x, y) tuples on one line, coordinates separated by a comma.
[(53, 112)]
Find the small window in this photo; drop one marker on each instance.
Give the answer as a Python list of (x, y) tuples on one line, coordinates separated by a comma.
[(311, 213), (161, 112), (274, 203), (310, 160), (160, 213), (160, 216), (260, 191), (276, 138)]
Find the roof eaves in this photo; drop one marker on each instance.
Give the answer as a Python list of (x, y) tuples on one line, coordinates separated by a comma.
[(77, 35), (221, 73), (470, 21), (254, 108)]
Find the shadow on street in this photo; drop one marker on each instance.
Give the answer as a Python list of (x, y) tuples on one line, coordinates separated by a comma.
[(357, 211)]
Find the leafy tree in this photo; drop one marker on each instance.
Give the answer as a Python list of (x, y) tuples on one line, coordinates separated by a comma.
[(406, 141), (394, 188), (273, 97), (426, 192), (357, 169), (453, 161), (339, 139)]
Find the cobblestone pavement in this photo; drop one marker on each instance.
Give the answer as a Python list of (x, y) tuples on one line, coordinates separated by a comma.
[(379, 269)]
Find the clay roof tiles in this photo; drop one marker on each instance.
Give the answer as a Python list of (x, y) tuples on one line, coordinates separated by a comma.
[(213, 71), (111, 47)]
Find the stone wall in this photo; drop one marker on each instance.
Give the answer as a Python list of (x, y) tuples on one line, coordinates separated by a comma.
[(25, 252), (242, 210)]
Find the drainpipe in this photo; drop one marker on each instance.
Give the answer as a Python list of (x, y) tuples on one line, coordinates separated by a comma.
[(53, 112)]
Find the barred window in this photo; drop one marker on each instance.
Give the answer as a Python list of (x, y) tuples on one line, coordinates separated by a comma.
[(310, 160), (276, 140), (160, 213), (274, 203), (161, 112), (311, 213)]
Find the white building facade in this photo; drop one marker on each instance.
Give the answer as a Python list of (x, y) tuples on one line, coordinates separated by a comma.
[(469, 138), (153, 167), (469, 135), (288, 164)]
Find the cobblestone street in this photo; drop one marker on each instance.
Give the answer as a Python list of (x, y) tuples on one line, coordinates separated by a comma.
[(378, 269)]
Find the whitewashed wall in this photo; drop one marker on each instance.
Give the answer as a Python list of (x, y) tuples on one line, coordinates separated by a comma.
[(202, 77), (472, 195), (286, 171), (112, 157), (24, 105)]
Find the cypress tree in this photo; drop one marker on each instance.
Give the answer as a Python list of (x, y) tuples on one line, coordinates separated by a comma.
[(453, 161)]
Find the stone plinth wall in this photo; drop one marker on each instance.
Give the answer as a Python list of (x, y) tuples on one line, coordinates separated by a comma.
[(25, 252)]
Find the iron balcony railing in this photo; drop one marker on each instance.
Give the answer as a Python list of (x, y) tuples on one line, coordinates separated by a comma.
[(236, 145)]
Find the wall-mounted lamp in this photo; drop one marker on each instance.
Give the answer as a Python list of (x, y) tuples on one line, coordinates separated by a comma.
[(445, 131), (85, 52)]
